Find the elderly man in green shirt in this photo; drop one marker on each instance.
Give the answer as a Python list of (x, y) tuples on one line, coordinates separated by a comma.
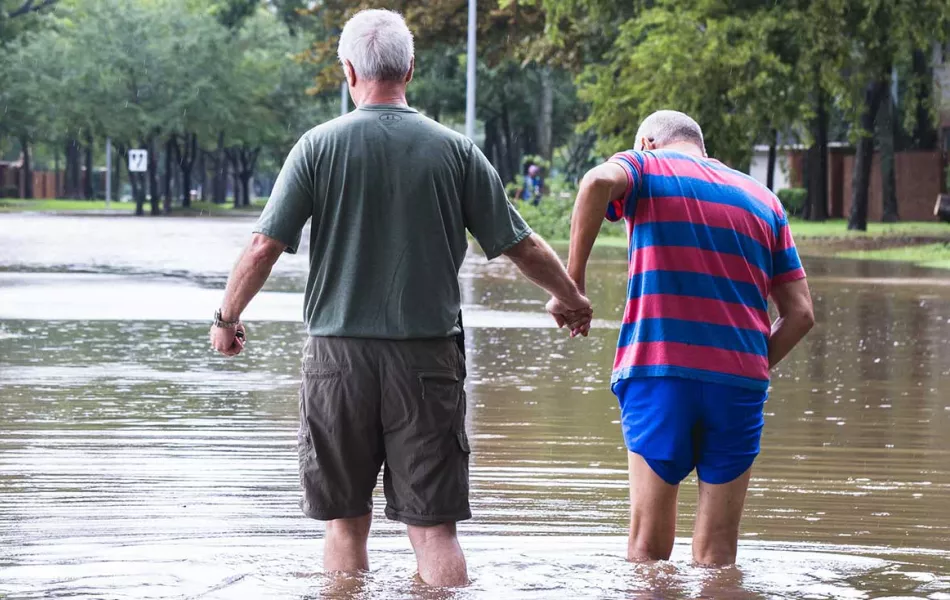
[(390, 195)]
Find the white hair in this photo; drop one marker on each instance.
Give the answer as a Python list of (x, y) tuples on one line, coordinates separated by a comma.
[(378, 44), (666, 127)]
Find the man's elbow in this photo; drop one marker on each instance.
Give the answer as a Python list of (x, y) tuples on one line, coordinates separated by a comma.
[(523, 248), (264, 251), (806, 318)]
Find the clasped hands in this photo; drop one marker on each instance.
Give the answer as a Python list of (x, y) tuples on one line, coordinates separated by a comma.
[(576, 313)]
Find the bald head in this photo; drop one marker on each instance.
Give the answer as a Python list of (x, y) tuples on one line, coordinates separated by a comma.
[(667, 127)]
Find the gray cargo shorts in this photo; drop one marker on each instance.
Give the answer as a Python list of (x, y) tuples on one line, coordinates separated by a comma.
[(365, 403)]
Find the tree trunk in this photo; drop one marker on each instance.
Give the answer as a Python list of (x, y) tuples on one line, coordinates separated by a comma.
[(546, 115), (56, 176), (152, 175), (817, 159), (501, 154), (511, 162), (925, 131), (203, 176), (171, 149), (221, 172), (491, 141), (27, 171), (886, 129), (773, 159), (864, 154), (88, 183), (186, 162), (248, 160), (72, 185), (117, 174), (236, 185)]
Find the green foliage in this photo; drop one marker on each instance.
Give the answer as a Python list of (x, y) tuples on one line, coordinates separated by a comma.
[(711, 59), (861, 41), (551, 219), (793, 199)]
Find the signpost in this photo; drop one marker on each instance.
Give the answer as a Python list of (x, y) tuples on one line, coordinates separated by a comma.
[(138, 161)]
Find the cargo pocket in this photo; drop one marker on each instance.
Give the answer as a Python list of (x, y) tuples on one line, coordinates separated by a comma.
[(439, 401)]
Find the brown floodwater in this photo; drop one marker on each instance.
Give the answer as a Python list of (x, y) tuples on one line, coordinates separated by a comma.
[(134, 463)]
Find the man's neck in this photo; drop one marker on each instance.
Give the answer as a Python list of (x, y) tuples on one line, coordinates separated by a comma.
[(685, 148), (389, 94)]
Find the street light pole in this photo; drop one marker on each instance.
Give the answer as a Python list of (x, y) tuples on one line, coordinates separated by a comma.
[(470, 79)]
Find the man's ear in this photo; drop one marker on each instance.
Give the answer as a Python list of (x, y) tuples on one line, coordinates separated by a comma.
[(647, 144), (412, 69), (350, 73)]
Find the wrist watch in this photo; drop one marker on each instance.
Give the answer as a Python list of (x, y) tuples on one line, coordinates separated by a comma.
[(219, 322)]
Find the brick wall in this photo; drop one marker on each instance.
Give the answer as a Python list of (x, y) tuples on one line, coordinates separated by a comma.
[(919, 176)]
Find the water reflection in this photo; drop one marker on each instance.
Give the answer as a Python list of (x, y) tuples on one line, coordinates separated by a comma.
[(134, 463)]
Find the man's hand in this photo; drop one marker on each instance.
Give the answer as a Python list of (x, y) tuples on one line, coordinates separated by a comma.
[(229, 341), (575, 313)]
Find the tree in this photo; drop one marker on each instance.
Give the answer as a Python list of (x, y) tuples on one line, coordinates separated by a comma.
[(18, 16), (714, 60), (871, 38)]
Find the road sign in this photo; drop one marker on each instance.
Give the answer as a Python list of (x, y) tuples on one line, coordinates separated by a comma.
[(138, 161)]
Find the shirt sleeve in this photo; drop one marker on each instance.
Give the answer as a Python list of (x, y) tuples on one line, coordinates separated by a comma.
[(291, 202), (626, 206), (489, 216), (786, 264)]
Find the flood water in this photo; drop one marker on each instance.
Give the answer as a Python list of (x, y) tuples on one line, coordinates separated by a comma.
[(134, 463)]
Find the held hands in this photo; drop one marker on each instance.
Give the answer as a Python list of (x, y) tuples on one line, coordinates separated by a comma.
[(575, 312), (229, 341)]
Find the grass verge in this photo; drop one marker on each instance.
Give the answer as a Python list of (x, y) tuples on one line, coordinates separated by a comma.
[(838, 228), (935, 256), (9, 205), (20, 205)]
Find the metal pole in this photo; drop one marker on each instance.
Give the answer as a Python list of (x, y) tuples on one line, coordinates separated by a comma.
[(344, 98), (108, 172), (470, 80)]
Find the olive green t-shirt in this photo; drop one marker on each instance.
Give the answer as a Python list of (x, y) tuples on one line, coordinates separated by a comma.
[(391, 194)]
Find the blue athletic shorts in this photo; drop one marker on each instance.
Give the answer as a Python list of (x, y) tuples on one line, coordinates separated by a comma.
[(679, 424)]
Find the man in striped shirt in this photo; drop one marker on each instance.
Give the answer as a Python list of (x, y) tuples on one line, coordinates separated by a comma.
[(708, 246)]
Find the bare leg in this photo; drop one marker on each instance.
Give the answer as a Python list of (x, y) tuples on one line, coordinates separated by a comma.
[(345, 544), (439, 555), (716, 533), (652, 513)]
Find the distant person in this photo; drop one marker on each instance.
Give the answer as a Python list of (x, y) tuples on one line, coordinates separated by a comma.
[(390, 195), (708, 247), (533, 188)]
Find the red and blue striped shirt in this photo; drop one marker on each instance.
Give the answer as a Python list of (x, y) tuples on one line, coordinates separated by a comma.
[(706, 244)]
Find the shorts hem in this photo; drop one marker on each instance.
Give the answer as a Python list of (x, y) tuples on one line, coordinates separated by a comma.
[(426, 520), (724, 480), (334, 514)]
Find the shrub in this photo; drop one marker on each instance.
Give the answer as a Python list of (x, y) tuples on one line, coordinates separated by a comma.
[(793, 199)]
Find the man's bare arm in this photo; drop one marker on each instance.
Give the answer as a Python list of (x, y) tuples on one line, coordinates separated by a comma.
[(796, 317), (246, 280), (249, 274), (540, 264), (598, 188)]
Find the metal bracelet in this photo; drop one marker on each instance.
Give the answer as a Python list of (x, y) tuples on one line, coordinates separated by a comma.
[(219, 322)]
